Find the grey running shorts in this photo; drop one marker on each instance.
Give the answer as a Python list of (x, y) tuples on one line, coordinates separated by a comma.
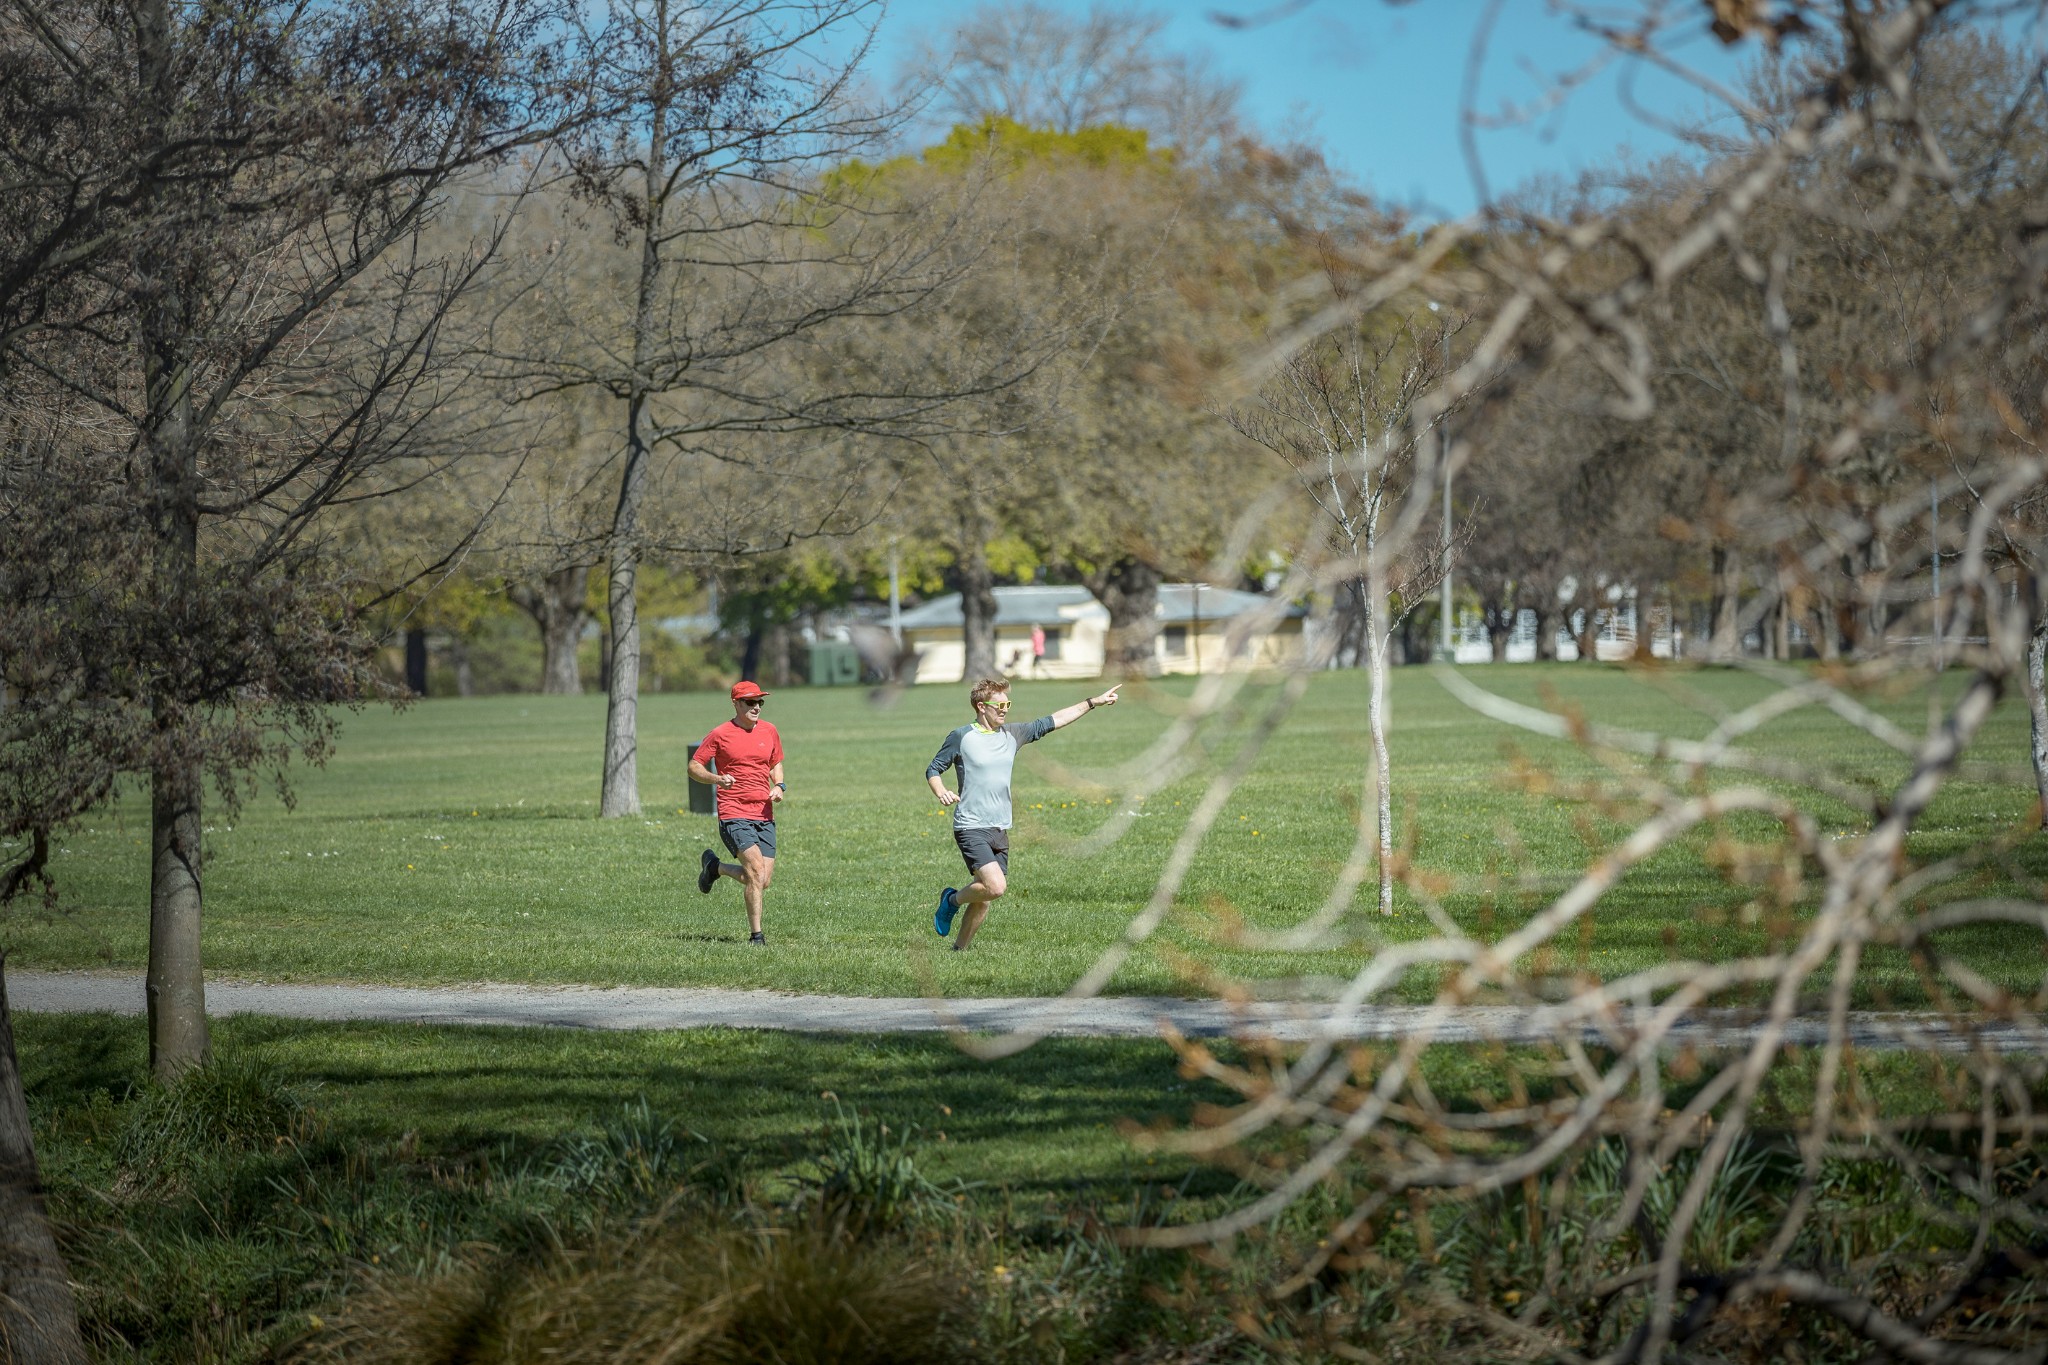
[(739, 834), (980, 847)]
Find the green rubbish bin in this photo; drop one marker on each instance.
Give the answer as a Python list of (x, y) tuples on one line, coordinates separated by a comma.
[(834, 663), (701, 796)]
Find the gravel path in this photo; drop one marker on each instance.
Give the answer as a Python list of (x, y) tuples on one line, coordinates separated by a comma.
[(641, 1007)]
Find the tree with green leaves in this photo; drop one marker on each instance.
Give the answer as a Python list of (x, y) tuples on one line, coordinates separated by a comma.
[(718, 306), (255, 344), (217, 325)]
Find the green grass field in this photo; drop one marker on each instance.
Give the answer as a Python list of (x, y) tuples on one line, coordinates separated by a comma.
[(223, 1238), (458, 841)]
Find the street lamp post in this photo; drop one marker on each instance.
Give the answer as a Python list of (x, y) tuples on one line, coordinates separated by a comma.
[(1444, 437)]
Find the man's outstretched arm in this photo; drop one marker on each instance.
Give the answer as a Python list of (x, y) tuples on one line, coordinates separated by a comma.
[(1067, 715)]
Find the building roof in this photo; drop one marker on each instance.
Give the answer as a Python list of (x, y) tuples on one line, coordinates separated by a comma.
[(1047, 605)]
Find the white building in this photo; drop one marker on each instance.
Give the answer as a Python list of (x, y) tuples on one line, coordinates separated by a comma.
[(1194, 632)]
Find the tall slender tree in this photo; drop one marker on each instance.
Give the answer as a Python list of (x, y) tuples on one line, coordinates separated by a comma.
[(1339, 416), (741, 268)]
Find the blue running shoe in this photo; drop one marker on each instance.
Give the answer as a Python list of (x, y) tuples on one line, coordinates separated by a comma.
[(942, 923)]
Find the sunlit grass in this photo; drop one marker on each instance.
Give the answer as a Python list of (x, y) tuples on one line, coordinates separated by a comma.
[(458, 841)]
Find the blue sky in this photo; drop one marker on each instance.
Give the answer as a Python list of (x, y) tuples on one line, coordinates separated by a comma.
[(1377, 85)]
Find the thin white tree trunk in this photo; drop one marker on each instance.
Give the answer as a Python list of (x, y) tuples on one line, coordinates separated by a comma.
[(1376, 633), (1383, 776)]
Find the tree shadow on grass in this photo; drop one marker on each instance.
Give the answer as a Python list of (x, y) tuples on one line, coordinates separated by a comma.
[(1047, 1120)]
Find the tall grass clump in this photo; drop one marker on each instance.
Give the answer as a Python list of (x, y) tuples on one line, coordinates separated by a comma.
[(866, 1176), (230, 1105), (641, 1159), (667, 1287)]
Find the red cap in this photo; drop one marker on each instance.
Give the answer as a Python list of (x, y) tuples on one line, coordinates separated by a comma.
[(747, 691)]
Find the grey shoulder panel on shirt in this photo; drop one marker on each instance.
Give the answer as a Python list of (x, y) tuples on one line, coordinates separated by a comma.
[(1026, 731), (948, 754)]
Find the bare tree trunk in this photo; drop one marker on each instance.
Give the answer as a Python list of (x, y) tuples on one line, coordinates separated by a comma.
[(621, 795), (176, 982), (1827, 640), (557, 608), (1354, 624), (977, 610), (2037, 710), (1781, 622), (1546, 631), (458, 655), (416, 661), (1641, 611), (1848, 625), (38, 1314), (1500, 626), (750, 654), (1587, 636), (1383, 776), (1727, 574), (1877, 558), (621, 791), (1129, 591)]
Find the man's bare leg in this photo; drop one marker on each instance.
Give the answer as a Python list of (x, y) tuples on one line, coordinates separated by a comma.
[(753, 872), (973, 899)]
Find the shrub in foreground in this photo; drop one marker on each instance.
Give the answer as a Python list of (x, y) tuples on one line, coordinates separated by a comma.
[(669, 1287)]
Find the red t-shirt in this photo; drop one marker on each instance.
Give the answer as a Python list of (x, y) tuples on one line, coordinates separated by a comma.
[(750, 756)]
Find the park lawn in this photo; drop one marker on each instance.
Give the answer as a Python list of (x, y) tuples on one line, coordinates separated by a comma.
[(458, 841), (231, 1240), (229, 1233), (1044, 1127)]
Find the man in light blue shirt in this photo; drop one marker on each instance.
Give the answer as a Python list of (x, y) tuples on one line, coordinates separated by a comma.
[(985, 752)]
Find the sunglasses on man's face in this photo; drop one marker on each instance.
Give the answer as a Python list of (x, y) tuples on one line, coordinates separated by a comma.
[(756, 702), (999, 707)]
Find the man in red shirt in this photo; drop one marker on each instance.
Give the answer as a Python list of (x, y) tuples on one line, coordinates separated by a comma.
[(747, 753)]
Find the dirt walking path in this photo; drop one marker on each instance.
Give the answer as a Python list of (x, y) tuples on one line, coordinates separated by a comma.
[(643, 1007)]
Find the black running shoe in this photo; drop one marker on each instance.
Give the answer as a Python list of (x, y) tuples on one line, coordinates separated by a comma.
[(757, 941), (707, 872)]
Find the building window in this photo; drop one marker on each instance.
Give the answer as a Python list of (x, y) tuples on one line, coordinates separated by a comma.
[(1052, 645), (1176, 639)]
